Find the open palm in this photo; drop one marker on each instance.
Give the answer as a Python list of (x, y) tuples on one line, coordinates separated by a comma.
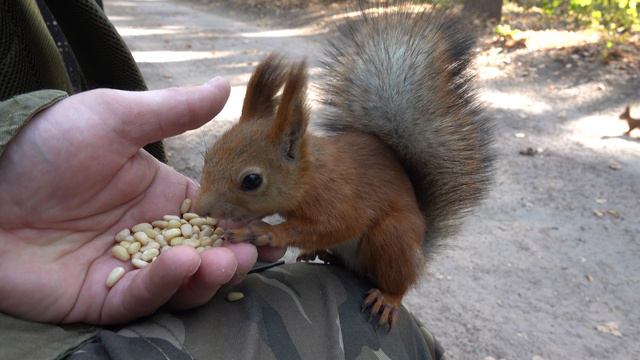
[(72, 178)]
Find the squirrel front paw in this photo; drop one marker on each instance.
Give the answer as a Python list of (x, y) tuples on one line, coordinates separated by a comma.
[(256, 233)]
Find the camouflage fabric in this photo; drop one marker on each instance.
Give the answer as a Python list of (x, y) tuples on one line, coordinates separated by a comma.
[(17, 111), (293, 311)]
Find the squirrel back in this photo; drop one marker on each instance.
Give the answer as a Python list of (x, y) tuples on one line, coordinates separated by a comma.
[(404, 77)]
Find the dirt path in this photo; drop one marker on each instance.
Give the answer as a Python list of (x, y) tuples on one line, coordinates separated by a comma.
[(537, 268)]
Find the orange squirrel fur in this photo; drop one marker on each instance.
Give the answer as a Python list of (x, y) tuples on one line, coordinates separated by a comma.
[(406, 154)]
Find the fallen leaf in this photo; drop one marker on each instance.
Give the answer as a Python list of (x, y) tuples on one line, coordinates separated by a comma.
[(609, 328), (528, 152), (613, 213), (598, 213), (614, 165), (589, 278)]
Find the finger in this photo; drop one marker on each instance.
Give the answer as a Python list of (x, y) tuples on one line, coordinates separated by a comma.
[(147, 289), (246, 254), (216, 269), (270, 253), (147, 116)]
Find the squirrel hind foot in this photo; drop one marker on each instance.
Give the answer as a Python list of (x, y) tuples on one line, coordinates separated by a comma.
[(384, 305)]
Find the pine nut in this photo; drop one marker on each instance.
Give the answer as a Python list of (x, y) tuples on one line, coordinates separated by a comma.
[(120, 252), (185, 206), (150, 254), (219, 231), (134, 248), (171, 233), (160, 240), (206, 241), (141, 227), (150, 233), (171, 217), (217, 243), (190, 216), (234, 296), (125, 244), (122, 235), (141, 237), (212, 221), (200, 249), (206, 231), (176, 241), (129, 238), (160, 224), (198, 221), (164, 248), (139, 263), (191, 242), (151, 245), (115, 275), (186, 229), (174, 224)]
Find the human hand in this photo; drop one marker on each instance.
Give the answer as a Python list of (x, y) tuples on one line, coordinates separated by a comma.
[(75, 176)]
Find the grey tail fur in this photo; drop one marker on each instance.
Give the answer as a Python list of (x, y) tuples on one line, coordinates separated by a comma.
[(403, 76)]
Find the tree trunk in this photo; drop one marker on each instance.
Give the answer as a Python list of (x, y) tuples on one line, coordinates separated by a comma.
[(489, 9)]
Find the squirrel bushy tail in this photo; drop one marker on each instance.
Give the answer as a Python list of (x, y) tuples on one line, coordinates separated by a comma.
[(403, 76)]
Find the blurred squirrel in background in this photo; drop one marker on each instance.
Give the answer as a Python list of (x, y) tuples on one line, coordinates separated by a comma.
[(633, 123), (404, 154)]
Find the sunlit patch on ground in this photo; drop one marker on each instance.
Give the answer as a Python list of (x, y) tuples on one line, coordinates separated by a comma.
[(602, 131), (167, 56), (513, 101), (145, 31)]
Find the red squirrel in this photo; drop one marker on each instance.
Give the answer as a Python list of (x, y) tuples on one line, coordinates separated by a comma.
[(633, 123), (405, 152)]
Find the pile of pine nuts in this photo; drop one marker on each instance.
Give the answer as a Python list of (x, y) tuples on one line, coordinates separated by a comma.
[(144, 242)]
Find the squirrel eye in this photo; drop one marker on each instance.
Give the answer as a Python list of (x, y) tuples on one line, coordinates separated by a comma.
[(251, 182)]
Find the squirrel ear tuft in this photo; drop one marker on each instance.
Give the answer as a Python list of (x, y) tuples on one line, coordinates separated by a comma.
[(266, 81), (291, 120)]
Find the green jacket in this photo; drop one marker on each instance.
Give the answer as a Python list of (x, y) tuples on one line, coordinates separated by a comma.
[(64, 45)]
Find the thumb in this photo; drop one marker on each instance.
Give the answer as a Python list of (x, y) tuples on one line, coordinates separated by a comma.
[(144, 117)]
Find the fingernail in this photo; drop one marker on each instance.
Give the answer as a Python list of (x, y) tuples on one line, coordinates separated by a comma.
[(216, 81)]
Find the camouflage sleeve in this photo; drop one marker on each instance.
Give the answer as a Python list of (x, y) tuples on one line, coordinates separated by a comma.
[(18, 110), (293, 311)]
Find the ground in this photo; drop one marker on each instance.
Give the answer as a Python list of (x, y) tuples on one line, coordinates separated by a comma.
[(548, 265)]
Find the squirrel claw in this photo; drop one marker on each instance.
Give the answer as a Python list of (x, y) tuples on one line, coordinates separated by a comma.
[(262, 240), (250, 233), (386, 309)]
